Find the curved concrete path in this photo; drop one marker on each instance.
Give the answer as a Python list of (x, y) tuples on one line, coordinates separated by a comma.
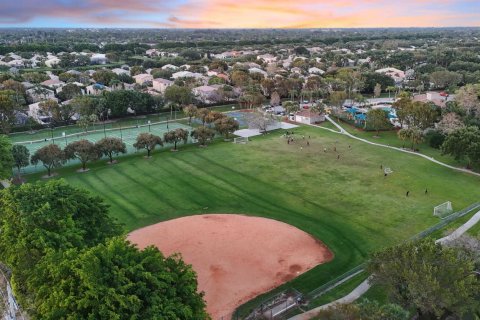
[(343, 131), (365, 285)]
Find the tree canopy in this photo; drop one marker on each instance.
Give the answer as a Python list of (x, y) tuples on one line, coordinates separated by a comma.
[(6, 158), (435, 280), (51, 157), (115, 280)]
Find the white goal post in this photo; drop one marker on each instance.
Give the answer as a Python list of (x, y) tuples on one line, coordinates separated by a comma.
[(443, 210), (240, 140)]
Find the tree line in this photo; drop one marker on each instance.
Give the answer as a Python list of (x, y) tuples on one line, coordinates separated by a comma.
[(52, 156)]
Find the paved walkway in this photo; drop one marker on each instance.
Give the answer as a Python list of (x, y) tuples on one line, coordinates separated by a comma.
[(461, 230), (5, 183)]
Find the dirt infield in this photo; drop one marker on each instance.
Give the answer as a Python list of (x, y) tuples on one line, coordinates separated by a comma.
[(236, 257)]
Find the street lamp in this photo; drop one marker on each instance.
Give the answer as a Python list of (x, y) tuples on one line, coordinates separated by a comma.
[(149, 122), (51, 131)]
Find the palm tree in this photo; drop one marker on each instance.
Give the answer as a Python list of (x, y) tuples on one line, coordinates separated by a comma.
[(390, 89)]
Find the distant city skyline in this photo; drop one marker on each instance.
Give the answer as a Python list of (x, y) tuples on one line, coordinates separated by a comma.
[(239, 14)]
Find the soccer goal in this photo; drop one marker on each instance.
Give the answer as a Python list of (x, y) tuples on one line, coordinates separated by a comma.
[(240, 140), (444, 210)]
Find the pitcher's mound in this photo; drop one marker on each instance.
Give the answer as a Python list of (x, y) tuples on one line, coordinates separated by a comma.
[(236, 257)]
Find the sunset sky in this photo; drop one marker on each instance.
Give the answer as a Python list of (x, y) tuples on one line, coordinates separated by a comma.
[(239, 13)]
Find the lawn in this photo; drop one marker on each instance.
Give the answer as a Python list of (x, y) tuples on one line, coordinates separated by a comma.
[(347, 203), (390, 138)]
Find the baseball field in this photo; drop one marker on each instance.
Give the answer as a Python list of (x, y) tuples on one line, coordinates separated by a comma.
[(329, 186)]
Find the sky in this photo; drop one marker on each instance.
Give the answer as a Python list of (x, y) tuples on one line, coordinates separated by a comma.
[(239, 13)]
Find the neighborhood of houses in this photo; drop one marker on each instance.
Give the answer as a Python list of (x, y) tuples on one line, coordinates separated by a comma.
[(210, 83)]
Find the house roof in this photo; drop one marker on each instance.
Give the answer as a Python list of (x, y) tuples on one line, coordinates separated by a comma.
[(163, 81), (307, 113)]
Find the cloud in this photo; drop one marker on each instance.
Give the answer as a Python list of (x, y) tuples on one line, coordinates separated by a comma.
[(22, 11), (245, 13)]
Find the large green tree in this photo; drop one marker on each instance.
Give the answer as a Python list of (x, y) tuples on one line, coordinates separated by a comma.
[(119, 101), (21, 156), (463, 143), (365, 310), (6, 158), (377, 119), (148, 142), (203, 135), (226, 126), (7, 110), (36, 218), (51, 156), (176, 136), (116, 280), (179, 95), (111, 146), (83, 150), (437, 281), (190, 111)]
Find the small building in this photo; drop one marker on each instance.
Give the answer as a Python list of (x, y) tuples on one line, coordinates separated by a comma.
[(203, 93), (37, 94), (161, 85), (315, 70), (98, 58), (258, 70), (309, 117), (397, 75), (143, 78), (96, 89), (268, 58)]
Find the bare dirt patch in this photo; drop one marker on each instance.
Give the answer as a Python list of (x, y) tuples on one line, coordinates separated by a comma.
[(236, 257)]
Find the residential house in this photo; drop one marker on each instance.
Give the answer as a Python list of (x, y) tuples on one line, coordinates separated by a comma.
[(36, 112), (37, 94), (96, 89), (119, 71), (53, 83), (169, 67), (98, 58), (143, 78), (315, 70), (161, 85), (187, 74), (52, 61), (397, 75), (258, 70), (268, 58), (203, 93)]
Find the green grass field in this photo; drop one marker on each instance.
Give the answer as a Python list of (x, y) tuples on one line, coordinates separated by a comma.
[(391, 138), (346, 203)]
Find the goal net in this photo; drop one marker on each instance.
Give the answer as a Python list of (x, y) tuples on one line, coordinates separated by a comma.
[(240, 140), (444, 210)]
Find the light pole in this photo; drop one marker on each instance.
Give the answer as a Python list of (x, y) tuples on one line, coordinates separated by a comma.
[(65, 136), (149, 122), (121, 136), (51, 131)]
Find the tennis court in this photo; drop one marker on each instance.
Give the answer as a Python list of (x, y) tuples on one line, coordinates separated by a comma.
[(128, 135)]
